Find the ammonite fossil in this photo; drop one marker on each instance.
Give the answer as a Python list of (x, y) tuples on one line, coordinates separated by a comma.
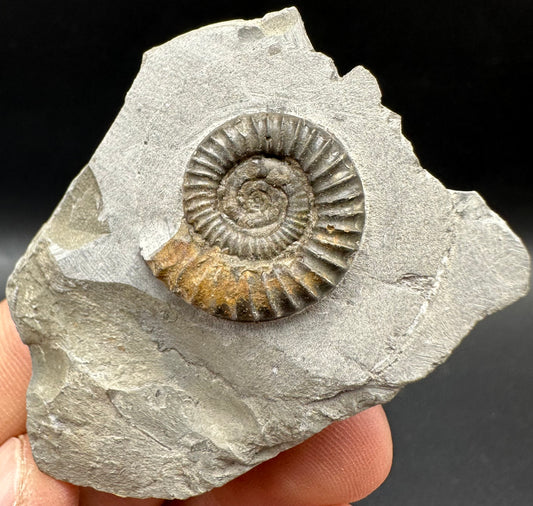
[(273, 213)]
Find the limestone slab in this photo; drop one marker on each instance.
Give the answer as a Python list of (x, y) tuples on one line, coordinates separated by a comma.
[(139, 393)]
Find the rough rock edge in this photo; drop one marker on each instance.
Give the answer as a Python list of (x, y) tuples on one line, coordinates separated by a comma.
[(465, 205)]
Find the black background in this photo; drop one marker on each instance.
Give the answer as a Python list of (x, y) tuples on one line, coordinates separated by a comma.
[(461, 75)]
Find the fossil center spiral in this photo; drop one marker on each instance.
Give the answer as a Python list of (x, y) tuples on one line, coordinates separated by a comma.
[(268, 204), (273, 214)]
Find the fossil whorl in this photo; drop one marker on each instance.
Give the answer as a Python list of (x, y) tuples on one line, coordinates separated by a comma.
[(273, 213)]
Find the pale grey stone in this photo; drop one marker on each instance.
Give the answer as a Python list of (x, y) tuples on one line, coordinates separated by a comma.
[(137, 393)]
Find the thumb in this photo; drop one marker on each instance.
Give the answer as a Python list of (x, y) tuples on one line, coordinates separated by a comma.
[(15, 372), (21, 482)]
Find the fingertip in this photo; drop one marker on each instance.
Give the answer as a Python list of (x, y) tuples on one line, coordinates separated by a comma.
[(15, 373), (362, 447), (23, 483), (345, 462), (9, 457)]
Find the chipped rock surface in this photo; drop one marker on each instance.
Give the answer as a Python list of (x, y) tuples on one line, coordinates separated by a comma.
[(138, 393)]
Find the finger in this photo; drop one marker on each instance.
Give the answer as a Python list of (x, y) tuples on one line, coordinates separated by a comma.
[(91, 497), (21, 482), (15, 372), (345, 462)]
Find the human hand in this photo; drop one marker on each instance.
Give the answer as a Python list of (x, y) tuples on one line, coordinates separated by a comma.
[(345, 462)]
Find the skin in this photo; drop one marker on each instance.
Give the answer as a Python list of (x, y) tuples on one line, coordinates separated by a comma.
[(344, 463)]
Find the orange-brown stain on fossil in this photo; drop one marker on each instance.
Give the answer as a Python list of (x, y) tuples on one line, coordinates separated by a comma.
[(273, 211), (170, 262), (203, 277)]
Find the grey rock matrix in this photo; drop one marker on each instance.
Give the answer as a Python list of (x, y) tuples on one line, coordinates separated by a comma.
[(139, 393)]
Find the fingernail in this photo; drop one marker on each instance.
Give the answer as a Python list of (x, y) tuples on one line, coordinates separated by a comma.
[(9, 463)]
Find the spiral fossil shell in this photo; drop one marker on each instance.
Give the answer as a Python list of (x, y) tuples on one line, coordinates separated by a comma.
[(273, 213)]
